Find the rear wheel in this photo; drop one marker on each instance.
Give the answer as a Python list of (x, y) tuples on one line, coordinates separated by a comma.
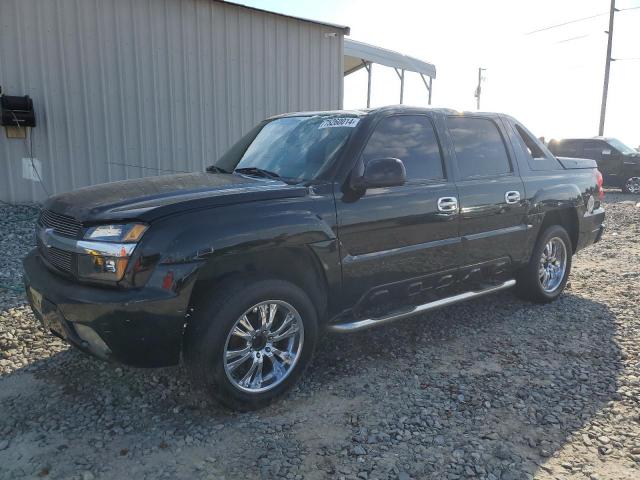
[(631, 185), (251, 341), (546, 274)]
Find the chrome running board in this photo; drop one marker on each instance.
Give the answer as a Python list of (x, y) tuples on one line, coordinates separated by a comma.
[(357, 325)]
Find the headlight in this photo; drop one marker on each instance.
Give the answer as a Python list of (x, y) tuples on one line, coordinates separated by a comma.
[(106, 250), (130, 232)]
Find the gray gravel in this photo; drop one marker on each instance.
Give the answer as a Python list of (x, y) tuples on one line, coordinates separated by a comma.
[(492, 389)]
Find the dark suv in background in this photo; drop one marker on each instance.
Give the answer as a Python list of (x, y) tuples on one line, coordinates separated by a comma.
[(619, 164)]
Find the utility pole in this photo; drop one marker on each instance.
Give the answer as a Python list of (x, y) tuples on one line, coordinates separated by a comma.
[(479, 87), (607, 65)]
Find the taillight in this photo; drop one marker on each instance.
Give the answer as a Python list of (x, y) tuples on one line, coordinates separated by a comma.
[(599, 182)]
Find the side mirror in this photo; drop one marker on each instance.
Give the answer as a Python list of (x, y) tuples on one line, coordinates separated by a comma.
[(381, 172)]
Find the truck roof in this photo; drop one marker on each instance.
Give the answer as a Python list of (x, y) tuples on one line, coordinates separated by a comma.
[(606, 139), (386, 109)]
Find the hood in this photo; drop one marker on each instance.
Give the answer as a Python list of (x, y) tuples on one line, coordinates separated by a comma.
[(632, 157), (152, 197)]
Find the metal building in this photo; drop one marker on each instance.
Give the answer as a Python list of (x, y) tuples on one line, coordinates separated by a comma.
[(128, 88)]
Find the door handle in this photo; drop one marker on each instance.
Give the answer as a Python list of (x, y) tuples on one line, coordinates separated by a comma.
[(512, 196), (448, 205)]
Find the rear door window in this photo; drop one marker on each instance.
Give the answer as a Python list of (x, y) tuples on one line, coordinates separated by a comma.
[(479, 147)]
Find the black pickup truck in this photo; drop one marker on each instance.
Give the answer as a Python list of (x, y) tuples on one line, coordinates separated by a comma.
[(318, 221), (618, 163)]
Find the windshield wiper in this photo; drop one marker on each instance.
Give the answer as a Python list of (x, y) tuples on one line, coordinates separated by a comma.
[(257, 171), (214, 169)]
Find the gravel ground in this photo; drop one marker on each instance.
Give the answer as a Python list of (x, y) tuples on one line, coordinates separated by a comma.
[(494, 389)]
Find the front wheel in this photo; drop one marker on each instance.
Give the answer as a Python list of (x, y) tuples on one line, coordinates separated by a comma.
[(631, 185), (249, 343), (546, 274)]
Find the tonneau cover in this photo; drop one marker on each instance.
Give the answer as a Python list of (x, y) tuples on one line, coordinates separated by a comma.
[(575, 163)]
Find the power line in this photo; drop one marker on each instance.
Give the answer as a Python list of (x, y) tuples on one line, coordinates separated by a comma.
[(582, 19), (572, 39), (566, 23)]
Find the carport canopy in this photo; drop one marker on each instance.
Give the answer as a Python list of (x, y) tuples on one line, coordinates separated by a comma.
[(359, 55)]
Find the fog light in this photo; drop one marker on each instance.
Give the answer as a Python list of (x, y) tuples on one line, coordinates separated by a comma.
[(89, 335)]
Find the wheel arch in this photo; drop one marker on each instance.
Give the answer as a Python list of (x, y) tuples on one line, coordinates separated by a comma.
[(297, 265), (566, 218)]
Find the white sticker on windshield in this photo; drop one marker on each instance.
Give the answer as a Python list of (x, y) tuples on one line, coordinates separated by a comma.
[(348, 122)]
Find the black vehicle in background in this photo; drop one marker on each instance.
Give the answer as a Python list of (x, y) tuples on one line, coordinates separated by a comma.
[(335, 221), (619, 164)]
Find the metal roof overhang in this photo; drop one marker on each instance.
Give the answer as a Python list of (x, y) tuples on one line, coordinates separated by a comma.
[(359, 55), (356, 54), (344, 28)]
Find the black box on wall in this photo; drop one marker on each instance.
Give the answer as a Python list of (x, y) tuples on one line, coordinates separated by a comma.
[(17, 111)]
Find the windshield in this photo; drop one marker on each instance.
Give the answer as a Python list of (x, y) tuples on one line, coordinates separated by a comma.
[(294, 148), (621, 147)]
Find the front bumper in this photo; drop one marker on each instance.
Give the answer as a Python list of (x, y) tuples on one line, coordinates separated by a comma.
[(137, 327)]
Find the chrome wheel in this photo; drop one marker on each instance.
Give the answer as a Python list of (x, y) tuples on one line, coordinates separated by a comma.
[(553, 265), (632, 185), (263, 346)]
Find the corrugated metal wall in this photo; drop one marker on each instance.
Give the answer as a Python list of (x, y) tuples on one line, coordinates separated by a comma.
[(161, 84)]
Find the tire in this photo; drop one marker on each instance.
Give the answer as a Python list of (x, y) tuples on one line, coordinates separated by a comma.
[(209, 340), (530, 281), (631, 185)]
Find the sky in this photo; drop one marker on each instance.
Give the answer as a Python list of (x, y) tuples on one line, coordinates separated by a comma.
[(550, 80)]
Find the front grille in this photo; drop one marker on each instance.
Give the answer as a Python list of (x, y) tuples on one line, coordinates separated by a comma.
[(60, 259), (61, 224)]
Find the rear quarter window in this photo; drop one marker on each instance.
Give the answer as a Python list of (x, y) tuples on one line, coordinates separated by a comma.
[(537, 156)]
